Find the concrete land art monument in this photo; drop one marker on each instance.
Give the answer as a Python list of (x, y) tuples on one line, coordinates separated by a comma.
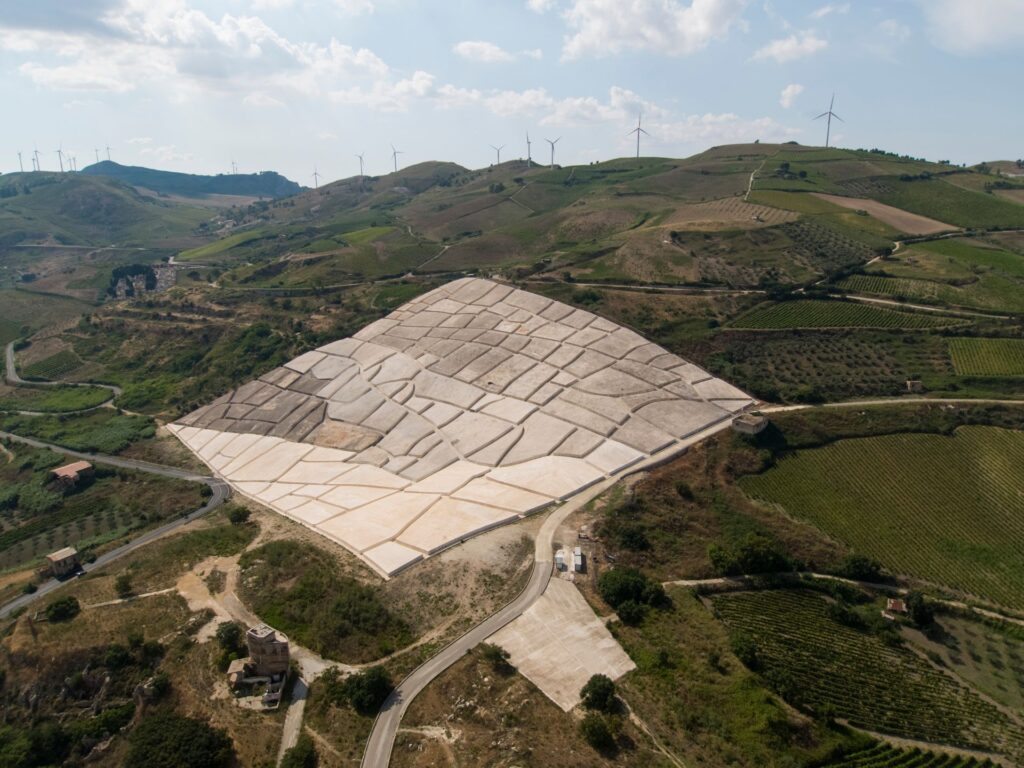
[(468, 407)]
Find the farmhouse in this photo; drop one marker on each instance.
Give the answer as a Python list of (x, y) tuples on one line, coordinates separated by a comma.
[(266, 664), (63, 561), (749, 423), (71, 474)]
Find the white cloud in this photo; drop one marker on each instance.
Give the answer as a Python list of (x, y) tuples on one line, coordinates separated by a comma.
[(261, 99), (825, 10), (971, 27), (622, 104), (140, 140), (715, 129), (669, 27), (796, 46), (533, 53), (540, 6), (789, 94), (482, 51), (168, 153), (355, 7)]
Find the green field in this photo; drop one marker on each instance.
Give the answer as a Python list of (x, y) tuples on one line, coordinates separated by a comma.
[(103, 430), (836, 314), (884, 755), (954, 205), (943, 509), (52, 399), (987, 357), (816, 661), (892, 286)]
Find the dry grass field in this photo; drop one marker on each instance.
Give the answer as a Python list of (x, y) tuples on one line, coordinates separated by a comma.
[(911, 223), (727, 213)]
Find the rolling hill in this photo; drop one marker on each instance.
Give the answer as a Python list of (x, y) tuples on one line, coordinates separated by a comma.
[(269, 184)]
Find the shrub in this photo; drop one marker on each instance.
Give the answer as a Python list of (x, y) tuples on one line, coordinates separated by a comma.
[(302, 755), (599, 693), (860, 568), (364, 691), (238, 515), (621, 584), (631, 612), (596, 732), (497, 657), (755, 555), (230, 636), (123, 585), (919, 610), (64, 609), (166, 740), (745, 649)]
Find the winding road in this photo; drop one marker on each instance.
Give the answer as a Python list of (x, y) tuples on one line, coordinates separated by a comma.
[(11, 373), (221, 492)]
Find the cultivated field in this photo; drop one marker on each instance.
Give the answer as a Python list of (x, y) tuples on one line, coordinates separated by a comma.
[(836, 314), (816, 661), (887, 756), (56, 366), (942, 509), (725, 213), (892, 286), (987, 357), (911, 223)]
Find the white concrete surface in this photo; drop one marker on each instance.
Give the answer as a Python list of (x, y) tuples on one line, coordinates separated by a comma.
[(558, 644), (469, 406)]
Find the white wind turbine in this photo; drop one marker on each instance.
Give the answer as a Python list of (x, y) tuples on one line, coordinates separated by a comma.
[(552, 143), (638, 130), (498, 152), (394, 156), (829, 114)]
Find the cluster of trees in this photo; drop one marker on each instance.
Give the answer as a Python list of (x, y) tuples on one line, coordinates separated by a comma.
[(753, 555), (600, 726), (364, 691), (167, 740), (630, 593)]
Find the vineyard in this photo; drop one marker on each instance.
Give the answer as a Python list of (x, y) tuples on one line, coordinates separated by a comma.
[(892, 286), (836, 314), (987, 357), (943, 509), (55, 366), (887, 756), (816, 662)]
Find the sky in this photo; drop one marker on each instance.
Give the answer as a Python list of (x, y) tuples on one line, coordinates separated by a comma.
[(303, 85)]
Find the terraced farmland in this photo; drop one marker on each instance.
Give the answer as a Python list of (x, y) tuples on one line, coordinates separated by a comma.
[(874, 685), (887, 756), (811, 313), (987, 357), (943, 509)]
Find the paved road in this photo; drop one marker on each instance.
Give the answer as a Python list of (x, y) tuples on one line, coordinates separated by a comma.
[(377, 753), (11, 372), (923, 307), (221, 491)]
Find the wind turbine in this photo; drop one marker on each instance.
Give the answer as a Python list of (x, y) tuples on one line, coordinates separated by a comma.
[(498, 151), (108, 152), (360, 156), (35, 151), (529, 157), (60, 157), (316, 178), (830, 114), (552, 143), (97, 154), (394, 156), (234, 168), (638, 130), (21, 165)]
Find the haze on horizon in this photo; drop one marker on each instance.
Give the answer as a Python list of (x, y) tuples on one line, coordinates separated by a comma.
[(289, 85)]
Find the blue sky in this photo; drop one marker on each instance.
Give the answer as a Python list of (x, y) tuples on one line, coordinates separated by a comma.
[(291, 85)]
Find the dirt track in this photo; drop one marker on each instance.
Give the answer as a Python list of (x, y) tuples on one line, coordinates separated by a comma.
[(904, 221)]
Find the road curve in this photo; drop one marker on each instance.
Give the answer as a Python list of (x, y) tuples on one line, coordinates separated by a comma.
[(11, 372), (381, 741), (221, 492)]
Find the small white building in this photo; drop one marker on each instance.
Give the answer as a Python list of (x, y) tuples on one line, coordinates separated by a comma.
[(560, 560), (749, 423), (577, 560)]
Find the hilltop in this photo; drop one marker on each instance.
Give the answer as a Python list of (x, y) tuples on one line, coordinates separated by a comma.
[(269, 184)]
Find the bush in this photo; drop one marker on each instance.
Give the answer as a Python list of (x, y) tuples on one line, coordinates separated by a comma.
[(166, 740), (302, 755), (596, 732), (631, 612), (364, 691), (755, 555), (497, 657), (920, 611), (861, 568), (231, 637), (745, 649), (629, 591), (64, 609), (123, 585), (238, 515), (599, 693)]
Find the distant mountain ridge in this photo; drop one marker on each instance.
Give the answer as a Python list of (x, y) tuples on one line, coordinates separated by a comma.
[(264, 184)]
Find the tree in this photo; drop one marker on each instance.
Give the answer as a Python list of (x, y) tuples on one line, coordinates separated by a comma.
[(497, 657), (64, 609), (631, 612), (621, 584), (367, 690), (123, 585), (596, 732), (302, 755), (599, 693), (919, 609), (229, 635), (166, 740), (861, 568), (238, 515)]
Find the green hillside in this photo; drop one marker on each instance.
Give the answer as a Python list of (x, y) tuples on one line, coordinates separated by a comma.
[(76, 209), (263, 184)]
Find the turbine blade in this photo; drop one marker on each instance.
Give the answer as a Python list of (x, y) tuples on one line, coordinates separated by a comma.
[(823, 114), (837, 117)]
